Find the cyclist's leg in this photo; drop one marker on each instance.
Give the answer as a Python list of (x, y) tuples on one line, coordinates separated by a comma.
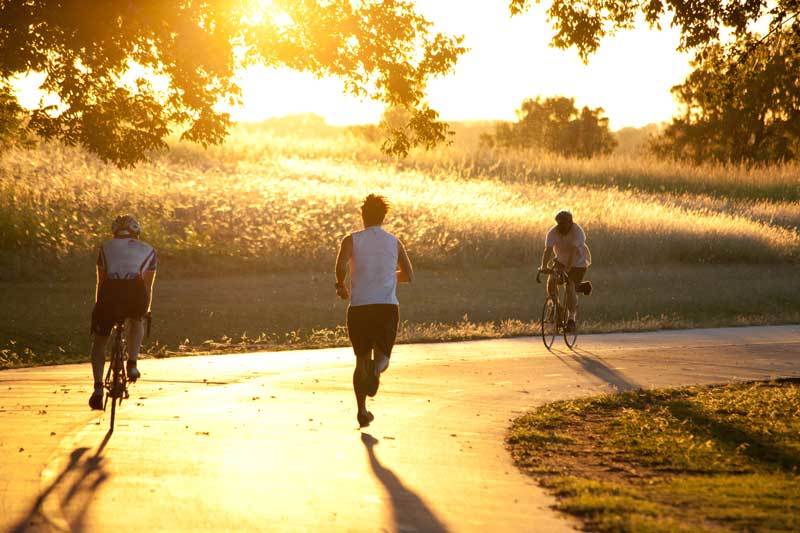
[(102, 322), (574, 278), (572, 300), (101, 328), (134, 329), (99, 343), (551, 286)]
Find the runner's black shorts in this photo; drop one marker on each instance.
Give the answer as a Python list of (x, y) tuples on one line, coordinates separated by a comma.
[(117, 300), (575, 274), (371, 327)]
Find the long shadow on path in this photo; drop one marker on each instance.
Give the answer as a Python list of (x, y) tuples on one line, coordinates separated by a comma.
[(595, 365), (78, 482), (409, 512)]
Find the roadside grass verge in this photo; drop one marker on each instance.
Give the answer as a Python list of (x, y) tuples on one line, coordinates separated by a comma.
[(688, 459), (48, 322)]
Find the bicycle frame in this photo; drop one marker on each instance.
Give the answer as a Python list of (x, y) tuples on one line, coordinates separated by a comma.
[(554, 312)]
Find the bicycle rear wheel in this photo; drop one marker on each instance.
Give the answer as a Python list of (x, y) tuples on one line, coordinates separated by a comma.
[(549, 322)]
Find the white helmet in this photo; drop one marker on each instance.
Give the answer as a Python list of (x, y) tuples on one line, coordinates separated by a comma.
[(126, 226)]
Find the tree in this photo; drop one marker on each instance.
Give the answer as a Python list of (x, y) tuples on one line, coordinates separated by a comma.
[(128, 73), (556, 125), (739, 110), (584, 23)]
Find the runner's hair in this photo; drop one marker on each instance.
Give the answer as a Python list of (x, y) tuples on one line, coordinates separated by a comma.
[(374, 209)]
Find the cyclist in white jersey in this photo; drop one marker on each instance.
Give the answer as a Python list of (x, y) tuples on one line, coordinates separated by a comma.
[(377, 261), (126, 272), (566, 244)]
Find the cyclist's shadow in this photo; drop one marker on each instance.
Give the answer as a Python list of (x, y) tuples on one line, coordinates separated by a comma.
[(595, 365), (71, 492), (408, 509)]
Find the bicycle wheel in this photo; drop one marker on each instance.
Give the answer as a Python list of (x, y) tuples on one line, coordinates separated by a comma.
[(571, 338), (117, 385), (549, 322)]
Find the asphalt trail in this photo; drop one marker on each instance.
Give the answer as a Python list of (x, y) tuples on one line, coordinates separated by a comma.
[(269, 441)]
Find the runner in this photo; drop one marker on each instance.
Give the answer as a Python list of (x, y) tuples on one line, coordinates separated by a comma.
[(566, 242), (377, 262), (126, 272)]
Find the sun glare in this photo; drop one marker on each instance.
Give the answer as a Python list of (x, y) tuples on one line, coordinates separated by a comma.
[(509, 59)]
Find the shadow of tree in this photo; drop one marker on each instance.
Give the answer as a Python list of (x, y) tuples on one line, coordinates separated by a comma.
[(79, 480), (409, 511), (754, 445)]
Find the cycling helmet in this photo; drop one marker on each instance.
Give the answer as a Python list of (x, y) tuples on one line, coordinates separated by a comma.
[(125, 226), (563, 217)]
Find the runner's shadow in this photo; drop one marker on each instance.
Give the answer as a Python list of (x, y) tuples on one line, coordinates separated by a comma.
[(74, 487), (595, 365), (408, 510)]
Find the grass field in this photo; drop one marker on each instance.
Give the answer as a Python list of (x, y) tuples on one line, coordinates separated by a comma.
[(298, 310), (699, 458), (248, 231)]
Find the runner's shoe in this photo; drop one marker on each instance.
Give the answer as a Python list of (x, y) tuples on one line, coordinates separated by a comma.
[(570, 326), (381, 364), (96, 399), (364, 420), (133, 372)]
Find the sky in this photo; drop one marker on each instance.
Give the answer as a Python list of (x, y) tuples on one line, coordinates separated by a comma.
[(510, 59)]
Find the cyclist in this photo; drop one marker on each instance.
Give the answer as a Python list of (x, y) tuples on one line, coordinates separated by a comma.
[(377, 261), (566, 243), (126, 272)]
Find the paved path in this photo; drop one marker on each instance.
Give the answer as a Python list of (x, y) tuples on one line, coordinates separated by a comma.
[(269, 440)]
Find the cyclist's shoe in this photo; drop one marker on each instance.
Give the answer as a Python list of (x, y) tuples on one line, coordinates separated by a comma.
[(585, 288), (570, 326), (133, 372), (96, 399), (365, 419)]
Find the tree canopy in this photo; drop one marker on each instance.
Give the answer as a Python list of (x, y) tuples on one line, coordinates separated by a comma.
[(554, 124), (739, 110), (583, 24), (129, 73)]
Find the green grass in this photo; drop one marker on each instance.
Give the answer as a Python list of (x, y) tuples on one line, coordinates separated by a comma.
[(721, 457), (47, 322)]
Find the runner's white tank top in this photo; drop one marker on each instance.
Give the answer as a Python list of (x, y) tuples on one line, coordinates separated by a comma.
[(373, 267)]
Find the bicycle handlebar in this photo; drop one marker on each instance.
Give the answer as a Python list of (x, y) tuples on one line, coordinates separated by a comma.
[(549, 271)]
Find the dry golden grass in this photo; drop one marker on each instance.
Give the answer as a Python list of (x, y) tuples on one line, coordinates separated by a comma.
[(281, 201)]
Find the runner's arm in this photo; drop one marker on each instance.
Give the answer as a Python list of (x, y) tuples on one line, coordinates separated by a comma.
[(344, 255), (405, 273)]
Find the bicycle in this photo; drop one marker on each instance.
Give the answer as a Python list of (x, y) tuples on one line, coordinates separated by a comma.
[(554, 313), (116, 382)]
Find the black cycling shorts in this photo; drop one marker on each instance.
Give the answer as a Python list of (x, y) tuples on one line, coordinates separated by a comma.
[(372, 327), (117, 300), (575, 274)]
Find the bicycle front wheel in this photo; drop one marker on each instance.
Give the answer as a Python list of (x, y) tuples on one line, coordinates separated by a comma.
[(549, 322), (571, 337)]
